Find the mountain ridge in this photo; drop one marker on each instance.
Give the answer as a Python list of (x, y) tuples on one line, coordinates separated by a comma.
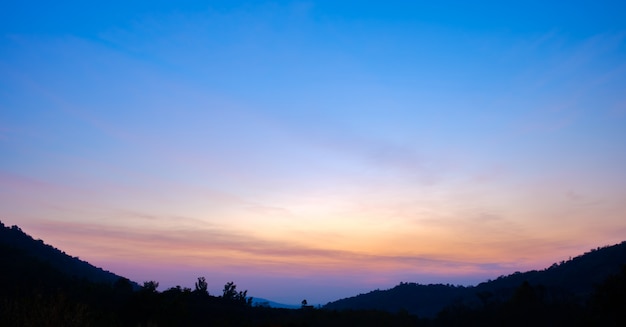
[(573, 279), (35, 293), (14, 238)]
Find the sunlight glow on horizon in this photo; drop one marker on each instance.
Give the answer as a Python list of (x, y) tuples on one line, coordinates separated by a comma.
[(357, 146)]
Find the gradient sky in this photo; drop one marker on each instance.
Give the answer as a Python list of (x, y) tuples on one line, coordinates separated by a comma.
[(314, 149)]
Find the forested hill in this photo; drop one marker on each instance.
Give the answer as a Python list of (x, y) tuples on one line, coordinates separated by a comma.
[(571, 280), (42, 286), (14, 240), (576, 277)]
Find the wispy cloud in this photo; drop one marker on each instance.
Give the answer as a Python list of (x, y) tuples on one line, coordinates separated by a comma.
[(219, 248)]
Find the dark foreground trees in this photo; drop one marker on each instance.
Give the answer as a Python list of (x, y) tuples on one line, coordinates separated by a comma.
[(55, 300), (33, 293), (534, 305), (38, 289)]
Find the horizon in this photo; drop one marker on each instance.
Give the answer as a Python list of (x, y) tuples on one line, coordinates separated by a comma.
[(291, 145), (215, 291)]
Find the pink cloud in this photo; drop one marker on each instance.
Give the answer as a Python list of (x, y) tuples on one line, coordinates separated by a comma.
[(222, 249)]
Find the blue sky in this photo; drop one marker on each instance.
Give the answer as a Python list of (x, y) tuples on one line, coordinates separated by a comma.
[(351, 144)]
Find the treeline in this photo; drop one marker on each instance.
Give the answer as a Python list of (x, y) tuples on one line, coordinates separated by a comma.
[(534, 305), (58, 259), (44, 297), (571, 284), (42, 286), (32, 293), (35, 292)]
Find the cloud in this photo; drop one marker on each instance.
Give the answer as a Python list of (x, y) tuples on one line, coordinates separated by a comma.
[(268, 211), (378, 157), (559, 82), (218, 248)]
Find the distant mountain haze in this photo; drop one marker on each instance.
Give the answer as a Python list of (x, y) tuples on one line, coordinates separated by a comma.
[(35, 275), (574, 281)]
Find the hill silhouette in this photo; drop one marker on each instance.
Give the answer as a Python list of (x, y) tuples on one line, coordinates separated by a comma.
[(13, 239), (573, 280), (42, 286)]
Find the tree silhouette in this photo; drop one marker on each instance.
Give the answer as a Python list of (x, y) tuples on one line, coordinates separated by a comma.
[(150, 286), (230, 291), (230, 294), (201, 286)]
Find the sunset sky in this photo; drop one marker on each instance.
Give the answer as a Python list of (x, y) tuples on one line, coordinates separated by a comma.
[(314, 149)]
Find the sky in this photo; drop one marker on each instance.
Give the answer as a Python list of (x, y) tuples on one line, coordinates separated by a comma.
[(314, 150)]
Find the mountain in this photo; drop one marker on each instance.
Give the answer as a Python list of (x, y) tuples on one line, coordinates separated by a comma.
[(422, 300), (261, 302), (42, 286), (573, 280), (18, 245)]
